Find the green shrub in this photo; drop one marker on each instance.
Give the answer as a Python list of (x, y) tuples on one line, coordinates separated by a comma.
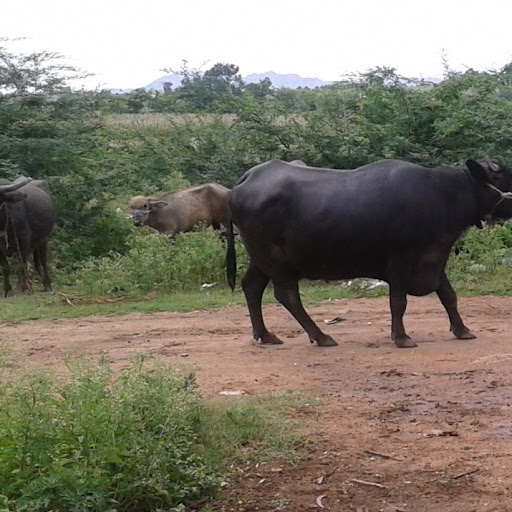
[(481, 262), (93, 444), (154, 262), (490, 247), (145, 441)]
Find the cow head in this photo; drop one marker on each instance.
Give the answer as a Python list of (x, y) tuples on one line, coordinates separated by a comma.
[(141, 207), (9, 192), (495, 174)]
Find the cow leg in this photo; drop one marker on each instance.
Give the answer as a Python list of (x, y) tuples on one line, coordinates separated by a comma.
[(448, 299), (254, 283), (287, 293), (5, 274), (398, 305), (40, 262)]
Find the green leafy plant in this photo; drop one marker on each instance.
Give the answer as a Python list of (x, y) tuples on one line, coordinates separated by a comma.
[(144, 441), (155, 262)]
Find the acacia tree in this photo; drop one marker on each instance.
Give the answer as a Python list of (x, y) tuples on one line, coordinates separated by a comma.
[(33, 73), (48, 131), (37, 111)]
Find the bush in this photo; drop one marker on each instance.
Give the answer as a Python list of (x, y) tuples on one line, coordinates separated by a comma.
[(94, 444), (143, 442), (154, 262), (481, 261), (489, 247)]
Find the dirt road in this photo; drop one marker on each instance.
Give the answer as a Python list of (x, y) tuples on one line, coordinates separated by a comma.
[(424, 429)]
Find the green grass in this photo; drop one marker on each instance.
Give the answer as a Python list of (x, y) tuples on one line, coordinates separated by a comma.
[(145, 440), (69, 303)]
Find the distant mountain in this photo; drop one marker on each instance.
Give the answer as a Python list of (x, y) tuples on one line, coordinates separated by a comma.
[(432, 79), (278, 81), (290, 81), (158, 84)]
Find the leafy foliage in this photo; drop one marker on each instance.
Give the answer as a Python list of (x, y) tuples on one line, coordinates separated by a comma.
[(142, 442), (94, 444), (154, 262)]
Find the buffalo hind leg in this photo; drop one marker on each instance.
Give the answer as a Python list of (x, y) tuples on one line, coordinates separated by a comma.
[(448, 299), (254, 283), (41, 264), (398, 305), (287, 293), (24, 281)]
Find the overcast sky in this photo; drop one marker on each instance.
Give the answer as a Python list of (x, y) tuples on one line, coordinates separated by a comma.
[(127, 43)]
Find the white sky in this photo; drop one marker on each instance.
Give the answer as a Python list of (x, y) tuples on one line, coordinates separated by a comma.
[(127, 43)]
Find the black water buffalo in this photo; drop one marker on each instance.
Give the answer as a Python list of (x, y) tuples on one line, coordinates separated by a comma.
[(388, 220), (27, 217), (181, 211)]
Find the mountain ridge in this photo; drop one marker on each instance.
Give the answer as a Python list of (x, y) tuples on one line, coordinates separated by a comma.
[(289, 80), (278, 80)]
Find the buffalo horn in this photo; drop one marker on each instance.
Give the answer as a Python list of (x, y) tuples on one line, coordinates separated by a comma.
[(11, 187), (493, 166)]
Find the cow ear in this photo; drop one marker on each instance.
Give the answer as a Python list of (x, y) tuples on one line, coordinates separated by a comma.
[(477, 171), (157, 204)]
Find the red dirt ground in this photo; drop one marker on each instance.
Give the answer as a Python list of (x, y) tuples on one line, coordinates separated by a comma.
[(412, 430)]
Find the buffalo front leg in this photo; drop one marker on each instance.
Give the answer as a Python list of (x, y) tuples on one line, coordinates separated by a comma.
[(5, 274), (24, 282), (287, 293), (398, 305), (254, 283), (448, 299)]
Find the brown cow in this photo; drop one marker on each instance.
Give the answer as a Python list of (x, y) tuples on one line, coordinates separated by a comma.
[(181, 211)]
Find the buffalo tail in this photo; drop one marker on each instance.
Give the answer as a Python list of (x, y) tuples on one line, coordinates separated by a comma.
[(230, 254)]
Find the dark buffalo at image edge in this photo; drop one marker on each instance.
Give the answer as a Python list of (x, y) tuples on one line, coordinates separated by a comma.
[(27, 218)]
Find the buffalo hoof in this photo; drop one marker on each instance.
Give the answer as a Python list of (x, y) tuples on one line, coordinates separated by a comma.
[(464, 334), (270, 339), (325, 341), (405, 342)]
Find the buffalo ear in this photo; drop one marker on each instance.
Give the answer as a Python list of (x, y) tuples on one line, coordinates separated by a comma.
[(477, 171), (157, 204)]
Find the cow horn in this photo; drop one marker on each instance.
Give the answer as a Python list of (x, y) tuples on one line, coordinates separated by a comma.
[(492, 165), (11, 187)]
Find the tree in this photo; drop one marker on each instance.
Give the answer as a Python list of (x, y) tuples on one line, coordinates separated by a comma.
[(140, 100), (34, 73), (211, 91), (51, 132)]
